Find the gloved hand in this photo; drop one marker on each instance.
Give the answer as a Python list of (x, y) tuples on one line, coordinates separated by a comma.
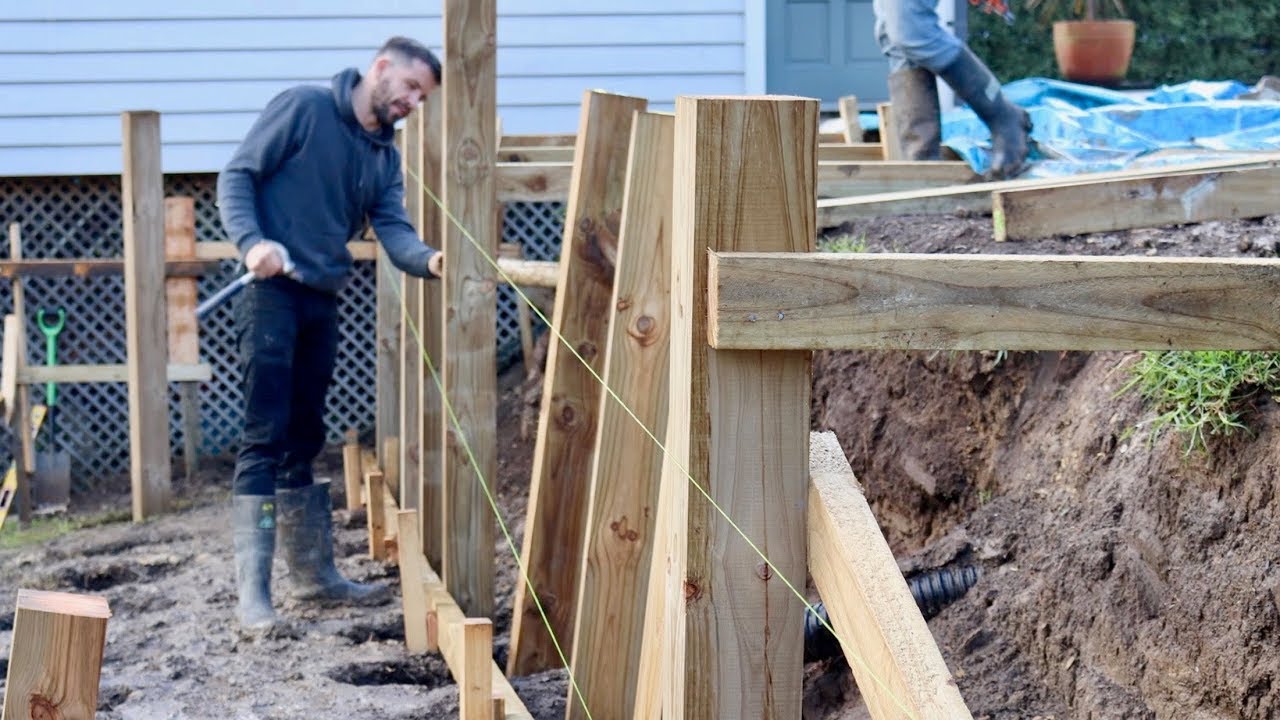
[(266, 258)]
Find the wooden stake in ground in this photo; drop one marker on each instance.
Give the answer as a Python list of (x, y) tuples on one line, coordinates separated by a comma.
[(557, 515), (430, 335), (180, 313), (142, 205), (724, 634), (56, 660)]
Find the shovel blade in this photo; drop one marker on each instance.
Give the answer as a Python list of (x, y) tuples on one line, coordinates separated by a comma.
[(51, 484)]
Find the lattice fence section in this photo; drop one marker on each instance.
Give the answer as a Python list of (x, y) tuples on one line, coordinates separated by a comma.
[(80, 217)]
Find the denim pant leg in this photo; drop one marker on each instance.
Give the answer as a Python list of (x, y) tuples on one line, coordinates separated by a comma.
[(911, 35), (266, 329), (313, 364)]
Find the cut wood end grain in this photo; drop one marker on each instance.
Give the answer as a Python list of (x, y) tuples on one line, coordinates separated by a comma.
[(63, 603)]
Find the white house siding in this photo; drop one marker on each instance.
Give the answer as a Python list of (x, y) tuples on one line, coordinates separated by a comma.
[(69, 68)]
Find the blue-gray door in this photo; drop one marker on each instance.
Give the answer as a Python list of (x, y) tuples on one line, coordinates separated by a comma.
[(824, 49)]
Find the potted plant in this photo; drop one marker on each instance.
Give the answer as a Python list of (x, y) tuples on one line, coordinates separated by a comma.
[(1089, 48)]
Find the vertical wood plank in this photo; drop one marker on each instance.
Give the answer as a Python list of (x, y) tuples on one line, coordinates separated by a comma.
[(143, 211), (56, 659), (24, 451), (628, 464), (180, 313), (352, 474), (852, 124), (391, 468), (410, 311), (470, 294), (374, 481), (431, 335), (889, 147), (386, 357), (556, 518), (475, 687), (731, 632), (411, 581)]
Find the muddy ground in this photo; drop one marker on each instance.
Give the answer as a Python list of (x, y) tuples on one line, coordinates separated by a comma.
[(1121, 578)]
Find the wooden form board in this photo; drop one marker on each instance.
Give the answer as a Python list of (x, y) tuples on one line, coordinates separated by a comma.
[(1141, 202), (142, 206), (470, 294), (724, 635), (976, 197), (431, 338), (56, 657), (849, 119), (410, 371), (565, 446), (865, 178), (898, 667), (992, 302), (828, 152), (889, 142), (624, 481)]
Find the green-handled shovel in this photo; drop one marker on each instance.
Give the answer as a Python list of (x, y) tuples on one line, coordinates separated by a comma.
[(52, 486)]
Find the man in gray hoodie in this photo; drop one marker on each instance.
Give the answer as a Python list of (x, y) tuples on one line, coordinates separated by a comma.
[(317, 165)]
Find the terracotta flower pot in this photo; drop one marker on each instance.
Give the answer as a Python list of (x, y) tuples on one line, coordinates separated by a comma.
[(1095, 51)]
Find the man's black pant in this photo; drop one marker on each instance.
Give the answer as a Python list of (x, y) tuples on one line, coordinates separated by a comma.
[(288, 338)]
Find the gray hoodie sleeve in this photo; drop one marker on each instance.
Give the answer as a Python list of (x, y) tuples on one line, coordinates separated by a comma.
[(391, 224), (271, 140)]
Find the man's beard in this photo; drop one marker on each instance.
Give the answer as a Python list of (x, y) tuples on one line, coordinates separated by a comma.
[(383, 106)]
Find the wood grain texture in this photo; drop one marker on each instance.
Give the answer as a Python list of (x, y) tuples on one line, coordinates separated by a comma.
[(56, 657), (1145, 202), (565, 447), (431, 222), (142, 207), (534, 182), (864, 178), (180, 293), (890, 149), (410, 356), (414, 597), (375, 513), (731, 641), (851, 124), (628, 463), (475, 687), (470, 297), (976, 197), (993, 302), (352, 473), (898, 667)]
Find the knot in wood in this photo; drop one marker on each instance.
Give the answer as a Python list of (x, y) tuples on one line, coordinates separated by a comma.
[(691, 591), (620, 529), (42, 708), (623, 304), (763, 571), (468, 165), (567, 418), (587, 350)]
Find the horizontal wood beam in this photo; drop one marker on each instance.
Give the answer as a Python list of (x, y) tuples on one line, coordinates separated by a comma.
[(829, 152), (533, 181), (67, 374), (976, 197), (1142, 202), (844, 179), (763, 301), (93, 267), (538, 139), (894, 658)]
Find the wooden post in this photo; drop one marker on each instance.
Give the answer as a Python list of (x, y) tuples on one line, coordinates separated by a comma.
[(180, 311), (411, 581), (431, 332), (386, 357), (557, 515), (849, 117), (410, 310), (391, 467), (143, 212), (24, 452), (724, 635), (470, 292), (628, 464), (374, 481), (475, 686), (56, 658), (888, 133), (352, 474)]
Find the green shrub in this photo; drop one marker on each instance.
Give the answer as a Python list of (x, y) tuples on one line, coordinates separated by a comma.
[(1202, 394), (1176, 41)]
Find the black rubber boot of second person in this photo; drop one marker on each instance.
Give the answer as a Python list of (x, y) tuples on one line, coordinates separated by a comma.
[(306, 537), (1009, 124)]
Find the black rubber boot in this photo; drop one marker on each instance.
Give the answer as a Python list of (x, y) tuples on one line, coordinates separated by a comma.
[(306, 536), (253, 525), (1009, 124), (913, 93)]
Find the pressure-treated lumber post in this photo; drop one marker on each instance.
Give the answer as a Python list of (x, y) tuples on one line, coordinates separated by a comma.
[(56, 656), (557, 515), (17, 394), (410, 357), (628, 463), (475, 687), (431, 335), (723, 634), (888, 133), (894, 658), (386, 355), (470, 294), (180, 313), (411, 578), (850, 122), (143, 211), (374, 481)]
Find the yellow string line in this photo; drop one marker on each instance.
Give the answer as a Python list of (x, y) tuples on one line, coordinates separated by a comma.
[(630, 413), (484, 484)]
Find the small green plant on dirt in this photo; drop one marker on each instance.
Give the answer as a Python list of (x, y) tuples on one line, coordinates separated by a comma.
[(1201, 395), (43, 529), (845, 243)]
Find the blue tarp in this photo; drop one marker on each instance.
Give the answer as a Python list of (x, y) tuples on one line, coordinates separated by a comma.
[(1081, 128)]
